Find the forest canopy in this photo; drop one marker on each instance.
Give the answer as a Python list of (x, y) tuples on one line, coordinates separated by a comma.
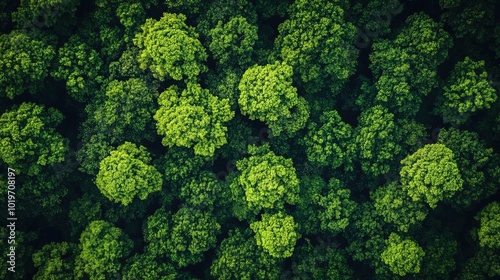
[(250, 139)]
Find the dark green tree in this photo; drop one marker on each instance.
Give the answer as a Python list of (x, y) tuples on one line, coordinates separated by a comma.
[(489, 229), (55, 261)]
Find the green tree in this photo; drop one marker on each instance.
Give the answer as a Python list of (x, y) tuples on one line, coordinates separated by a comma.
[(24, 64), (329, 142), (28, 139), (239, 257), (406, 67), (397, 207), (482, 265), (474, 161), (45, 13), (55, 261), (467, 90), (318, 43), (127, 173), (232, 43), (267, 94), (81, 68), (127, 111), (102, 248), (193, 233), (403, 256), (201, 191), (431, 174), (156, 229), (377, 139), (266, 181), (489, 229), (170, 49), (193, 118), (276, 234), (146, 266)]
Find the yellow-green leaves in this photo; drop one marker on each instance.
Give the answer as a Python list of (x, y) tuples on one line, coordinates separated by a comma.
[(127, 173), (267, 94), (170, 49), (276, 234), (403, 256), (431, 174), (489, 230), (193, 118)]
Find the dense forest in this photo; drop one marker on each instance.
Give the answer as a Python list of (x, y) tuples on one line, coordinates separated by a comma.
[(250, 139)]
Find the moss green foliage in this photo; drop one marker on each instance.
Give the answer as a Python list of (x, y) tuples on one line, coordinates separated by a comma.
[(170, 49), (192, 118), (24, 63), (267, 94), (28, 138), (276, 234), (250, 139), (127, 173)]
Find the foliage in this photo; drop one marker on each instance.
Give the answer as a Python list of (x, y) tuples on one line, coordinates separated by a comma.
[(489, 230), (28, 138), (403, 256), (431, 174), (276, 234), (267, 94), (127, 173), (55, 261), (24, 63), (192, 118), (170, 49)]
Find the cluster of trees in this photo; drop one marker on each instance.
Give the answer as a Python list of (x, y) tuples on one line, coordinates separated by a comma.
[(117, 116)]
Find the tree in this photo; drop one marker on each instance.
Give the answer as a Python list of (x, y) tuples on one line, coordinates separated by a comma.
[(28, 139), (276, 234), (232, 43), (46, 13), (127, 111), (406, 67), (329, 142), (489, 229), (467, 91), (397, 207), (266, 181), (377, 140), (201, 191), (55, 261), (127, 173), (192, 118), (193, 233), (431, 174), (81, 68), (146, 266), (267, 94), (403, 256), (317, 42), (170, 49), (474, 161), (102, 247), (239, 257), (156, 229), (24, 63)]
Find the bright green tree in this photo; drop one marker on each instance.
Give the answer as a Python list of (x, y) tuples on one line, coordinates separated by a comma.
[(489, 229), (193, 233), (403, 256), (127, 173), (467, 90), (239, 257), (24, 64), (156, 230), (192, 118), (55, 261), (266, 181), (276, 234), (318, 43), (267, 94), (431, 174), (170, 49), (102, 248), (232, 43), (146, 266), (28, 139)]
